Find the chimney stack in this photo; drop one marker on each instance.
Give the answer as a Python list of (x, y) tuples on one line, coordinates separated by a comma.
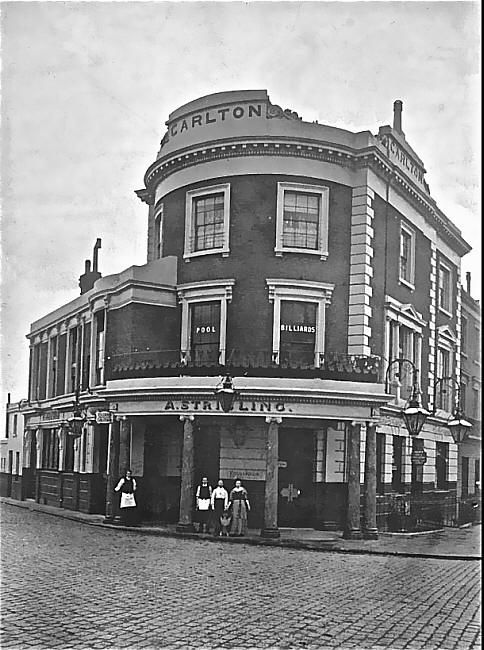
[(397, 115), (88, 278), (468, 282)]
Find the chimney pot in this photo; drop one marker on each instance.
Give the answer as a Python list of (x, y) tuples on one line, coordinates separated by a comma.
[(397, 115), (468, 282)]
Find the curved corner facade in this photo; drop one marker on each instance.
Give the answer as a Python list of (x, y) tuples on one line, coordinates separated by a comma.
[(298, 258)]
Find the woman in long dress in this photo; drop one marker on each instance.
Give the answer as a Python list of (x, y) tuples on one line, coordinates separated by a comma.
[(239, 502)]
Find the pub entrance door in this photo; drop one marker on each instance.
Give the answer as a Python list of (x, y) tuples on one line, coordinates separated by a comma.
[(207, 454), (296, 487)]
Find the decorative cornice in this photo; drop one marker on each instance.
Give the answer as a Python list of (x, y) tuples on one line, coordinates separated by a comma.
[(370, 157)]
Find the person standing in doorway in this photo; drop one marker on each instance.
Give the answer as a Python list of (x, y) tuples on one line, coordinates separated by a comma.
[(127, 505), (204, 504), (220, 502), (239, 502)]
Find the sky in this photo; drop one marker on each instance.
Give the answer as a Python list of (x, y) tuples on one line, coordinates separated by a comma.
[(86, 88)]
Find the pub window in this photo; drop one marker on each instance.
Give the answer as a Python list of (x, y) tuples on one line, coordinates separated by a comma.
[(441, 465), (445, 388), (403, 343), (407, 255), (445, 288), (477, 475), (398, 447), (99, 317), (53, 366), (205, 332), (302, 219), (207, 220), (465, 476), (159, 232), (35, 372), (298, 333), (73, 358), (464, 325), (380, 463), (50, 449), (61, 365), (42, 376), (86, 356)]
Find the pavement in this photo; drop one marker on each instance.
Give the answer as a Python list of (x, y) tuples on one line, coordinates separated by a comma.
[(71, 586), (462, 543)]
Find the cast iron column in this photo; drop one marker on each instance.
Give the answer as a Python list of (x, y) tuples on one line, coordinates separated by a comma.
[(370, 531), (272, 479), (124, 444), (352, 529), (185, 523), (112, 478)]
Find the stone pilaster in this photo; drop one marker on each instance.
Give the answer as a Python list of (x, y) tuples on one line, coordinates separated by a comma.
[(185, 522), (270, 528)]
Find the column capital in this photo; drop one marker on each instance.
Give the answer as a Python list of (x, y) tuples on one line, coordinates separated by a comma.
[(189, 418), (270, 419)]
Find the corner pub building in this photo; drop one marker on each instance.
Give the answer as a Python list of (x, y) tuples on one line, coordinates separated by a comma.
[(298, 258)]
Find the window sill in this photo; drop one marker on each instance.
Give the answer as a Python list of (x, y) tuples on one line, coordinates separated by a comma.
[(407, 284), (302, 251), (224, 252), (447, 313)]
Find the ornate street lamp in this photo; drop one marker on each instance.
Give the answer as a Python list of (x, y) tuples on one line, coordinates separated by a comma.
[(225, 393), (458, 425), (76, 422), (414, 415)]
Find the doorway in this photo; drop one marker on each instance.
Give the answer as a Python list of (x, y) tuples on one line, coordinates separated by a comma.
[(296, 487), (207, 454)]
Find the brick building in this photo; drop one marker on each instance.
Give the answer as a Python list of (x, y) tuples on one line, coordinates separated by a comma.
[(302, 260)]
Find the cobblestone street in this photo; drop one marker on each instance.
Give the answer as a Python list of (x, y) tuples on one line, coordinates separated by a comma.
[(70, 585)]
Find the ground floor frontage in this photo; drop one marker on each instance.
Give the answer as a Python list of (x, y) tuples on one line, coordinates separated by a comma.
[(330, 460)]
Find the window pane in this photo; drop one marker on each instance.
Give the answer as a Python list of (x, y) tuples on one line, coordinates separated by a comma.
[(301, 220), (298, 332), (405, 256), (208, 222), (205, 332)]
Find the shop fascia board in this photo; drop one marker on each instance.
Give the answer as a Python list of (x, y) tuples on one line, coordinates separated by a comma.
[(251, 388)]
